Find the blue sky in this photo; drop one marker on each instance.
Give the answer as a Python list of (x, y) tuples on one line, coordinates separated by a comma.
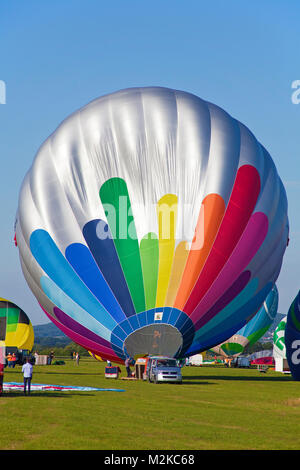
[(58, 55)]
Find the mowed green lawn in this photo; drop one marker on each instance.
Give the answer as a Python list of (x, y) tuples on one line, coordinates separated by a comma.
[(214, 408)]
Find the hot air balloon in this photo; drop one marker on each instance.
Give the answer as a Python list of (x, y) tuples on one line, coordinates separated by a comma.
[(151, 222), (253, 330), (292, 338), (16, 330), (279, 349)]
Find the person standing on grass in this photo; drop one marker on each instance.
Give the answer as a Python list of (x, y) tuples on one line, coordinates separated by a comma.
[(51, 356), (27, 374), (9, 360), (127, 365), (14, 360), (77, 358)]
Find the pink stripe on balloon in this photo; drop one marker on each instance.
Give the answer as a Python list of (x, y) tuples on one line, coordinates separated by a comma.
[(246, 248), (107, 353), (238, 213), (234, 290)]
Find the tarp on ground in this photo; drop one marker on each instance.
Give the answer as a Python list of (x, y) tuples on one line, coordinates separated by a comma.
[(18, 386)]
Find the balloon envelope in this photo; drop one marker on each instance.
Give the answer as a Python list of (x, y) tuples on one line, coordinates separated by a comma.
[(292, 338), (279, 349), (253, 330), (98, 358), (15, 327), (153, 222)]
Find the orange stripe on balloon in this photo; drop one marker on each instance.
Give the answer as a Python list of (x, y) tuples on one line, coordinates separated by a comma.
[(180, 257), (210, 217)]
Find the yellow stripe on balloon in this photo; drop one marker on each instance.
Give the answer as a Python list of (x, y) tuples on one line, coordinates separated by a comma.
[(167, 217), (22, 338), (180, 257)]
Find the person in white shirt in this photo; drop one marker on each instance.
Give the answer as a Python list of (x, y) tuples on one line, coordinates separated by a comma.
[(27, 374)]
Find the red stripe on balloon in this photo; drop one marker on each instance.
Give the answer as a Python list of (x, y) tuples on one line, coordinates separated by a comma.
[(240, 207)]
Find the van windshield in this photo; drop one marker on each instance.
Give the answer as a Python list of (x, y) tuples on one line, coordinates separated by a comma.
[(166, 363)]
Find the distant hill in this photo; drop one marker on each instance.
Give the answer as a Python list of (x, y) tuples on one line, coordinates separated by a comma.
[(48, 329), (49, 335)]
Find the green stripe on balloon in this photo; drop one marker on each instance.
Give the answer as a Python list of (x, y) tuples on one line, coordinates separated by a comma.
[(150, 256), (257, 335), (116, 203), (12, 320)]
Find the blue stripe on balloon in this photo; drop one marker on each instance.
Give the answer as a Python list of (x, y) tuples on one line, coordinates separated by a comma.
[(119, 331), (79, 256), (99, 240), (72, 309), (134, 322), (166, 314), (150, 316), (116, 342), (173, 318), (126, 327), (142, 318), (52, 261)]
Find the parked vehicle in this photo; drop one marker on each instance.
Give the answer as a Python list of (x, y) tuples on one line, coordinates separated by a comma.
[(196, 360), (162, 369), (21, 355), (240, 362)]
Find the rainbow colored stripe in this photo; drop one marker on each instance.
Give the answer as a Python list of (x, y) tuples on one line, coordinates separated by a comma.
[(108, 288)]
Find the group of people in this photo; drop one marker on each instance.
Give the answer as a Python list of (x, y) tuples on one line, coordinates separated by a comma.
[(27, 368), (11, 360), (75, 356)]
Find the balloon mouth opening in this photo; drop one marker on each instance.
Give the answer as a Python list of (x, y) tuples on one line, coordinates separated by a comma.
[(156, 339)]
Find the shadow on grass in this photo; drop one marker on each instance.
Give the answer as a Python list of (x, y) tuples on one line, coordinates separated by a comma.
[(196, 382), (43, 372), (43, 394), (262, 378)]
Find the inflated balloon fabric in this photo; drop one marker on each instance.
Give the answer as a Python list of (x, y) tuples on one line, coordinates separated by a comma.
[(15, 327), (253, 330), (292, 338), (151, 222)]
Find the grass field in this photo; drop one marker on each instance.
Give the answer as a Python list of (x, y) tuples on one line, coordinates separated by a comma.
[(214, 408)]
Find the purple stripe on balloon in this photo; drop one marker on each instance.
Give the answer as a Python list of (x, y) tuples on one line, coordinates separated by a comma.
[(98, 346), (77, 328), (246, 248), (225, 299)]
